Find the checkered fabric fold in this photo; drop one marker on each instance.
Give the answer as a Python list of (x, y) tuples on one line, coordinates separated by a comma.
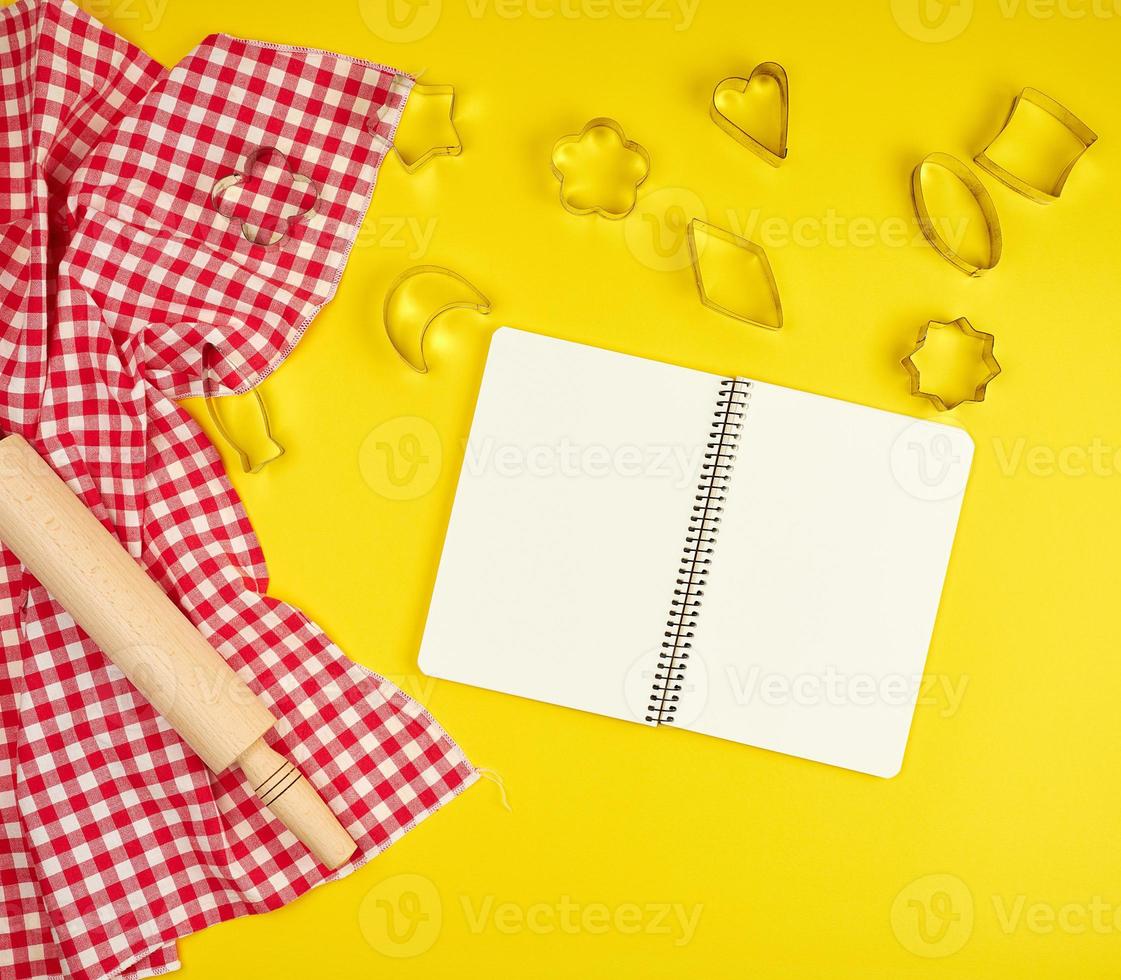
[(146, 213)]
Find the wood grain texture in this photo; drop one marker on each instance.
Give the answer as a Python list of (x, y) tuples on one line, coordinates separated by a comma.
[(146, 635)]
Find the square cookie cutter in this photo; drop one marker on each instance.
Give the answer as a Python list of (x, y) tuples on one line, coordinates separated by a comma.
[(1075, 126)]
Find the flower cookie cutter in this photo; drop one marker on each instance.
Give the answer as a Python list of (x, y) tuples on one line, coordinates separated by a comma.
[(765, 275), (929, 226), (250, 188), (456, 293), (1082, 133), (774, 155), (614, 198), (987, 358), (209, 352)]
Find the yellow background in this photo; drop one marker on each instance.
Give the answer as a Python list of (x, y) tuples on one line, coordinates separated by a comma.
[(1011, 801)]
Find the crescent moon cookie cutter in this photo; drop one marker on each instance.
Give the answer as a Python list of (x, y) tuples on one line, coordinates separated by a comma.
[(986, 356), (929, 226), (774, 155), (474, 299), (1081, 133), (612, 198), (764, 274)]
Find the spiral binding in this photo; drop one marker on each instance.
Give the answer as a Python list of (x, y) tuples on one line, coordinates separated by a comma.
[(700, 543)]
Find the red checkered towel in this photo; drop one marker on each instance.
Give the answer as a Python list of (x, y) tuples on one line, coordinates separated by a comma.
[(145, 214)]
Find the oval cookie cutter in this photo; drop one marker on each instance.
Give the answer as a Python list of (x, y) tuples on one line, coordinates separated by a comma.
[(929, 227)]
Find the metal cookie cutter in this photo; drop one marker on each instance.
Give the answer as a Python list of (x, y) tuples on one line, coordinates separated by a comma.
[(770, 69), (980, 195), (987, 357), (452, 145), (613, 199), (764, 266), (456, 293), (209, 353), (1075, 126), (257, 167)]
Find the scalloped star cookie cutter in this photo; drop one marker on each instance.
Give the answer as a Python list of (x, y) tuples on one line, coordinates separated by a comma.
[(987, 358), (929, 226), (774, 155), (1082, 133), (613, 198)]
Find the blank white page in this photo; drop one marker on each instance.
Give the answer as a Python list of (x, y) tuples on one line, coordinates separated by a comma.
[(565, 539), (825, 581)]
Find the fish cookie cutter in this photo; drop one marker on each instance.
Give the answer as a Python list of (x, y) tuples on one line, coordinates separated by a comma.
[(612, 198), (984, 201), (452, 145), (403, 313), (1075, 126), (209, 353), (774, 155), (987, 358), (765, 274)]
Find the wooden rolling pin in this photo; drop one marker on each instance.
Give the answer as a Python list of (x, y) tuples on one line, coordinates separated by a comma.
[(146, 635)]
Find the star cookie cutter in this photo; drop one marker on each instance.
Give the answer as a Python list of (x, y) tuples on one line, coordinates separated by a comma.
[(619, 200), (769, 69), (984, 201), (446, 149), (209, 353), (987, 358), (766, 275), (257, 165), (459, 294), (1075, 126)]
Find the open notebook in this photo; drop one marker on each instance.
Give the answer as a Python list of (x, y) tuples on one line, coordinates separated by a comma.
[(668, 546)]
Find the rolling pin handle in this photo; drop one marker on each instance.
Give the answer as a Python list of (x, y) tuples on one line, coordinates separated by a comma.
[(282, 788)]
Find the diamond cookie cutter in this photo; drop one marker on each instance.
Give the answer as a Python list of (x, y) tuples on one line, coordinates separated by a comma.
[(1075, 126), (452, 147), (458, 294), (987, 358), (769, 69), (766, 275), (209, 352), (596, 129), (984, 201)]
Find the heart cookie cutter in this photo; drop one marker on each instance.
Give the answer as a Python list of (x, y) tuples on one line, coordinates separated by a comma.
[(984, 201), (768, 69)]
